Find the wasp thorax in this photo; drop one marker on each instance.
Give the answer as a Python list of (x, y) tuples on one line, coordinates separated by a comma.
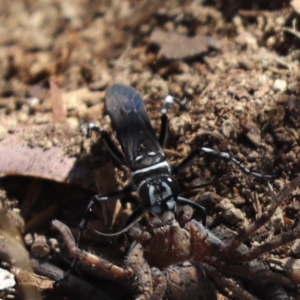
[(159, 193)]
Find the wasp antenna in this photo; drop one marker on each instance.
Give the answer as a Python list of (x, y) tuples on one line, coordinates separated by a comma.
[(135, 217)]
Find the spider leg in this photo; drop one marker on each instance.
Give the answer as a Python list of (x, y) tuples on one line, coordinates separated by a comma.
[(208, 248), (255, 271), (222, 281), (265, 217), (222, 155), (259, 279), (160, 284), (142, 272), (98, 263), (278, 241), (203, 242), (205, 245), (136, 268), (188, 281)]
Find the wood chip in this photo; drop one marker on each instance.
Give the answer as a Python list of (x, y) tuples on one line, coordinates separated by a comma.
[(58, 108)]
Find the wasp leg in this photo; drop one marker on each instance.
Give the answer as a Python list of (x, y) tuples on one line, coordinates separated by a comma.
[(98, 199), (223, 155), (169, 100), (135, 217), (114, 151)]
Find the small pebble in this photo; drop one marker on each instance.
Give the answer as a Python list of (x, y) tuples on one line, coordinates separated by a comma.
[(280, 85), (33, 101), (28, 239), (7, 280), (179, 125), (73, 123)]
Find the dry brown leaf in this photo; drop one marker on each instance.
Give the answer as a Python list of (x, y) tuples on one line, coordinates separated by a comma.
[(18, 158), (176, 46)]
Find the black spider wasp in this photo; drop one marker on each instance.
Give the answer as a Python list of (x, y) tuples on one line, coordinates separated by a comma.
[(151, 174)]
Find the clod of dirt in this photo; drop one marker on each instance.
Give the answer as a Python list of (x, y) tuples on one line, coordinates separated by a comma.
[(179, 125), (253, 133), (176, 46), (231, 214)]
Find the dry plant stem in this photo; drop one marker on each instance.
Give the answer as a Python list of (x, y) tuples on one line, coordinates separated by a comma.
[(220, 279), (265, 217), (292, 30)]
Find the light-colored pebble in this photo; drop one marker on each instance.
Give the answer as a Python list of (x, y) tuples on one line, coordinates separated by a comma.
[(280, 85), (7, 280)]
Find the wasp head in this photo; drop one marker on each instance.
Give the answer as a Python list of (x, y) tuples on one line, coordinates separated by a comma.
[(159, 193)]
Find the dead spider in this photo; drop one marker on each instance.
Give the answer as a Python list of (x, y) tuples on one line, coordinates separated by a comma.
[(172, 261)]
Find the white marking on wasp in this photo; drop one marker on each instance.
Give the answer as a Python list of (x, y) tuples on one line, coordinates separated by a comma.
[(139, 157), (228, 157), (151, 153), (168, 190), (169, 99), (152, 197), (157, 193), (153, 167), (171, 205), (91, 125)]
